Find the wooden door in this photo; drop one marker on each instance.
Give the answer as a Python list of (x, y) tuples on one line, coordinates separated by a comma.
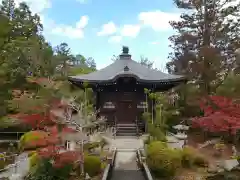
[(126, 112)]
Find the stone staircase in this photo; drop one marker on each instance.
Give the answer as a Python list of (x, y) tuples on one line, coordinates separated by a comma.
[(127, 130)]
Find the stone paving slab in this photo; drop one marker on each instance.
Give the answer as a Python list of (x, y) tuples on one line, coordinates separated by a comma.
[(127, 143), (126, 167)]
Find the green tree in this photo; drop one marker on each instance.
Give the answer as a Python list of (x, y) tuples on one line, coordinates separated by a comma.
[(146, 62)]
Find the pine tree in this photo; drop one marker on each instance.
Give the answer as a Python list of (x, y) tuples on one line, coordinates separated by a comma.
[(206, 40)]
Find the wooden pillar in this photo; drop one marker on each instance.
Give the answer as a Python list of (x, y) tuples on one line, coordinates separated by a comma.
[(97, 103), (154, 105), (154, 109)]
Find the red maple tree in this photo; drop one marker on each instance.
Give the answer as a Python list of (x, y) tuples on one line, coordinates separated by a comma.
[(221, 114), (49, 146), (48, 143), (35, 121)]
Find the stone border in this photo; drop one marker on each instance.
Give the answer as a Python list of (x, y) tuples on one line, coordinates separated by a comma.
[(109, 168), (144, 166)]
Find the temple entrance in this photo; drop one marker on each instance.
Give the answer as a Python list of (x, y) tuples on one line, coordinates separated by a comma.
[(126, 112)]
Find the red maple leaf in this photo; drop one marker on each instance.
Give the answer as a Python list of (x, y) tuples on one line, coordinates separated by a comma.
[(221, 114)]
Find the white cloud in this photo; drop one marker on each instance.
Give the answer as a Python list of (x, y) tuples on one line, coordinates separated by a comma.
[(130, 30), (158, 20), (68, 31), (73, 32), (38, 6), (82, 23), (108, 29), (115, 39)]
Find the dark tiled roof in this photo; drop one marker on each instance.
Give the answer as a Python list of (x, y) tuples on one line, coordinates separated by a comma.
[(125, 66)]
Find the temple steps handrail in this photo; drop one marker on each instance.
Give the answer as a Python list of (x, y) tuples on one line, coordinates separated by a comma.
[(110, 166), (144, 166)]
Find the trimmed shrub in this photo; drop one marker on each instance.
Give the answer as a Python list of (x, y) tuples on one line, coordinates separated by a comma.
[(162, 160), (33, 159), (92, 165), (30, 153), (29, 138)]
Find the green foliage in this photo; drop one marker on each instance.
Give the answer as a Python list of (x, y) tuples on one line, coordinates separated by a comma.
[(33, 160), (45, 170), (6, 122), (30, 153), (24, 52), (2, 161), (156, 132), (92, 165), (162, 160), (230, 86)]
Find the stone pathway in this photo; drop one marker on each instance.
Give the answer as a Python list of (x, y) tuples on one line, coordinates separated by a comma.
[(18, 170), (126, 167), (126, 143), (126, 161)]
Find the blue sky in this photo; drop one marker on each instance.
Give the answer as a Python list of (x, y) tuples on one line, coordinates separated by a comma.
[(99, 28)]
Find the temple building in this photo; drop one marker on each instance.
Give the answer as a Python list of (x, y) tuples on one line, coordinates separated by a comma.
[(119, 89)]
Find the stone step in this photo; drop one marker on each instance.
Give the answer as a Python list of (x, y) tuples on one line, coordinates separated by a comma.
[(126, 134), (126, 125), (127, 129)]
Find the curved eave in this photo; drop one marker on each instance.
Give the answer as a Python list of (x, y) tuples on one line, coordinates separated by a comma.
[(157, 84), (78, 80)]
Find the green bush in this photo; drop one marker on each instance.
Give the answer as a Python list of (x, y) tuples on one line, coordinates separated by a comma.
[(2, 161), (31, 153), (45, 170), (92, 165), (29, 137), (162, 160), (33, 160)]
